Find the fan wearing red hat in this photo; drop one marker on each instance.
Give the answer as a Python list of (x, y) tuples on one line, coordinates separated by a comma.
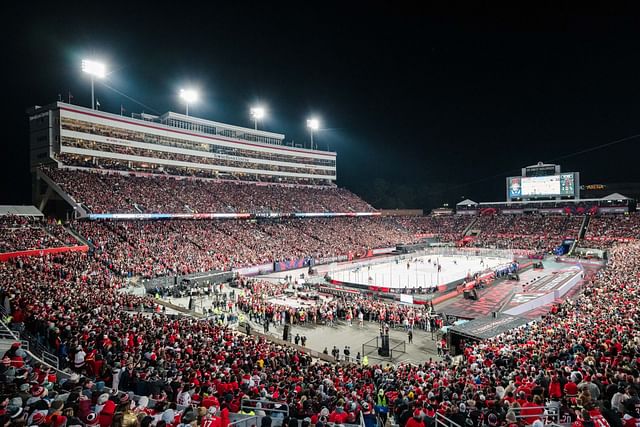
[(91, 419), (38, 418), (58, 421), (210, 400), (38, 391)]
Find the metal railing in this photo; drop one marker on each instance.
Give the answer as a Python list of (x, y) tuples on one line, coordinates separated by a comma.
[(362, 419), (29, 342), (548, 415), (5, 334), (268, 406), (442, 421), (41, 351), (246, 422), (250, 405), (8, 334), (551, 418)]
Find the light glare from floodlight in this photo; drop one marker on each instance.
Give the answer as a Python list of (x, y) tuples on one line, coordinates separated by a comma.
[(189, 95), (313, 124), (258, 113), (94, 68)]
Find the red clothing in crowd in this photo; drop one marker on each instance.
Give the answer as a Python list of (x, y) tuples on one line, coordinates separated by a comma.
[(530, 414), (554, 388), (212, 422), (224, 417), (338, 417), (596, 417), (209, 401), (414, 422), (106, 415), (571, 389)]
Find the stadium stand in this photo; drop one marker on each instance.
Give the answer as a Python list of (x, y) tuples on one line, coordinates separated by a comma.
[(129, 363), (579, 361), (157, 248), (113, 193), (22, 233), (348, 309), (536, 232), (606, 230), (448, 228), (129, 360)]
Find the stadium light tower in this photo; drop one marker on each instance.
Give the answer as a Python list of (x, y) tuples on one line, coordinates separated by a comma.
[(94, 69), (257, 113), (189, 96), (313, 124)]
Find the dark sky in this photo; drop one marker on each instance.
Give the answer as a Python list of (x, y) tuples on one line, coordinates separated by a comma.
[(436, 107)]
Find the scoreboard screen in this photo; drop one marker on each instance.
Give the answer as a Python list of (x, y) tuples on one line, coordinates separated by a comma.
[(561, 185)]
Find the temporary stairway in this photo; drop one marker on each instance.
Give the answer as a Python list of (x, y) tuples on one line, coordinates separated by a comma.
[(581, 233), (470, 226), (79, 208), (79, 237)]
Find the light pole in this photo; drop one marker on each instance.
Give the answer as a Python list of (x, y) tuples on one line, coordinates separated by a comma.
[(189, 96), (257, 113), (94, 69), (313, 124)]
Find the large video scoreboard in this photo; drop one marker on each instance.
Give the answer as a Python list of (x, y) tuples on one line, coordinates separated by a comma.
[(558, 186)]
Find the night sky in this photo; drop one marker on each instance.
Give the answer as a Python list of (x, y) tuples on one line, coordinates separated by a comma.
[(421, 109)]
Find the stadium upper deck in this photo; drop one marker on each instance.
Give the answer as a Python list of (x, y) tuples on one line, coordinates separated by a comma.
[(70, 136)]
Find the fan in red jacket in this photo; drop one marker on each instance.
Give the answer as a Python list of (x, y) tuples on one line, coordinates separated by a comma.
[(106, 415), (416, 420), (592, 417), (571, 389), (211, 420), (209, 401), (631, 416), (338, 416), (555, 388)]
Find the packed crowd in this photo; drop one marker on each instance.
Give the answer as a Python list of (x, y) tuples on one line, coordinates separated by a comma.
[(448, 228), (258, 302), (157, 248), (115, 193), (72, 305), (21, 233), (535, 232), (579, 362), (606, 230)]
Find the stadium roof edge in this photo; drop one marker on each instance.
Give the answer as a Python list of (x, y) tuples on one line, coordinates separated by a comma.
[(20, 210), (36, 111), (193, 119), (169, 114), (616, 196)]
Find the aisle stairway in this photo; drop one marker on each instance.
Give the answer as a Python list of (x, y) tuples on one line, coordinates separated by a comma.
[(470, 226), (581, 233)]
